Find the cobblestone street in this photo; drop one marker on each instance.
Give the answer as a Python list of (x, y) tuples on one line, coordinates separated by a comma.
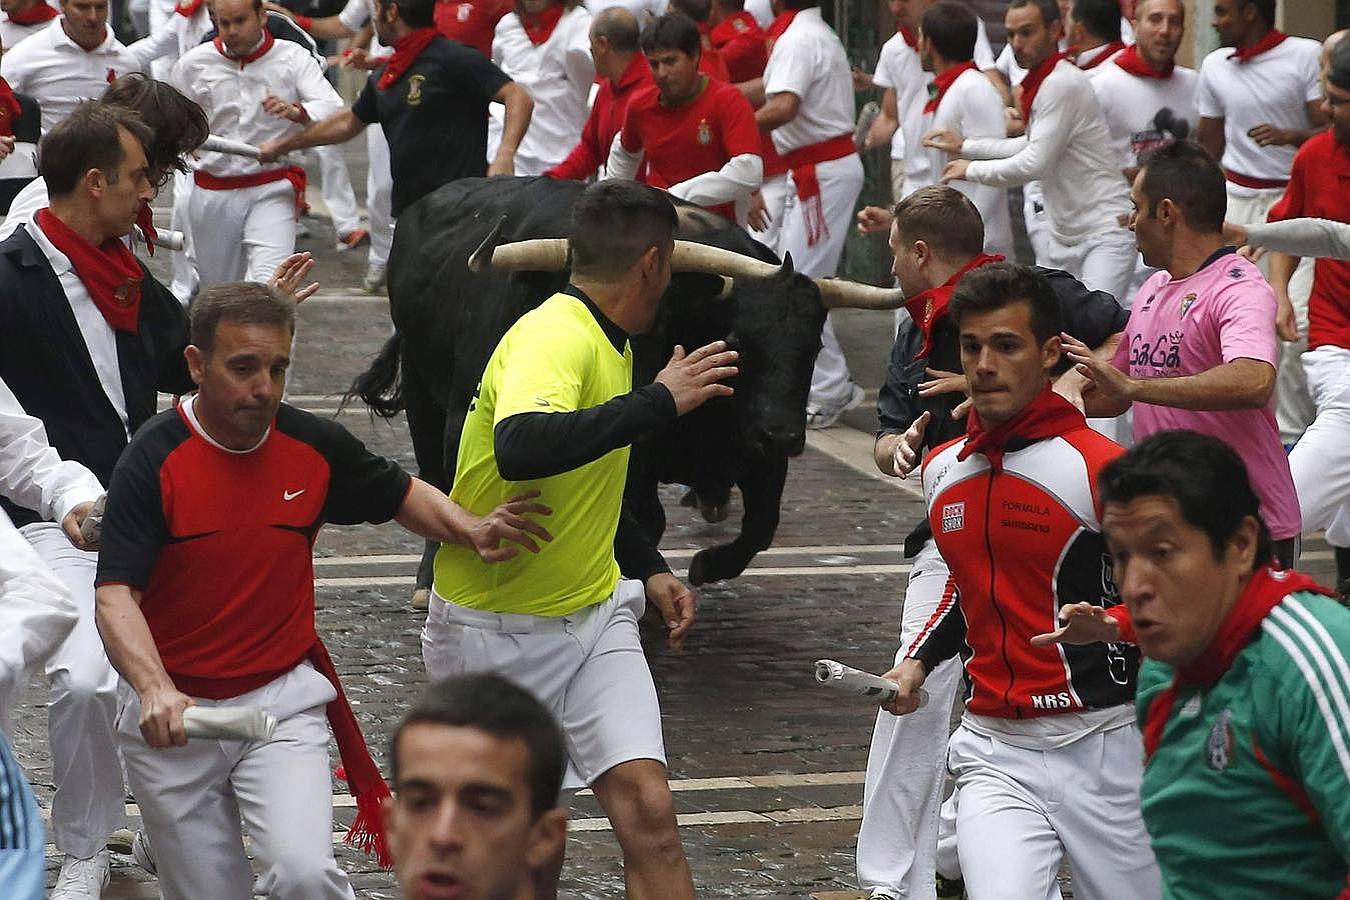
[(767, 767)]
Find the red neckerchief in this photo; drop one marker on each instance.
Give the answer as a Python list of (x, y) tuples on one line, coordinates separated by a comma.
[(928, 307), (1262, 594), (406, 49), (1273, 39), (778, 26), (539, 28), (1103, 55), (188, 8), (252, 56), (944, 81), (1130, 60), (37, 14), (742, 24), (145, 221), (1049, 415), (109, 272), (9, 109), (1032, 82), (909, 36)]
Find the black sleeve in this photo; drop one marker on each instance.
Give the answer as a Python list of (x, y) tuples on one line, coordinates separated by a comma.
[(173, 376), (365, 108), (946, 632), (537, 445), (897, 401), (636, 556), (1090, 316), (29, 126), (481, 70), (134, 528), (362, 487)]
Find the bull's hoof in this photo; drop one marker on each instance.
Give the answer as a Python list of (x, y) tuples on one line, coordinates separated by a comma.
[(714, 512), (690, 499), (715, 564), (421, 599)]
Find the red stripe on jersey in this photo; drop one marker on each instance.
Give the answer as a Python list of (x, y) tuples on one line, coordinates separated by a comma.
[(1292, 788)]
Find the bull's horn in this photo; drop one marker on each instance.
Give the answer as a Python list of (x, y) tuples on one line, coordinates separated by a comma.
[(694, 257), (546, 255), (481, 258), (837, 293)]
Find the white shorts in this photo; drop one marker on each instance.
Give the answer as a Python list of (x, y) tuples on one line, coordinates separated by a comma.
[(587, 667)]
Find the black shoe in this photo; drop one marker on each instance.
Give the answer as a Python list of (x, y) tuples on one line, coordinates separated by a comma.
[(950, 888)]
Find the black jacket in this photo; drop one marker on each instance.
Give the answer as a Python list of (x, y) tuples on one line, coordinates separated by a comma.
[(1090, 316), (44, 361)]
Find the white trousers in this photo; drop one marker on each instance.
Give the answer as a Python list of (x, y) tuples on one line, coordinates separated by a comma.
[(1037, 223), (1021, 812), (587, 667), (193, 797), (338, 195), (242, 234), (906, 763), (185, 280), (1320, 461), (1103, 261), (89, 796), (775, 193), (379, 196), (840, 182)]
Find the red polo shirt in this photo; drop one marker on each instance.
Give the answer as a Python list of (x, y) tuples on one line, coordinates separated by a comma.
[(1319, 185), (604, 122), (471, 22), (741, 42)]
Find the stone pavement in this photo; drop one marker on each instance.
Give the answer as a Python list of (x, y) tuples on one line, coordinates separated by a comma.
[(766, 766)]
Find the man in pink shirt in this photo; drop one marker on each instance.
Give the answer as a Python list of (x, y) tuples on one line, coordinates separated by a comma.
[(1200, 349)]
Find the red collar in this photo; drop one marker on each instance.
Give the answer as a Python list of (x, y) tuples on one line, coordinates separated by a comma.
[(188, 8), (780, 25), (1047, 416), (539, 28), (909, 36), (253, 56), (35, 15), (930, 306), (742, 24), (1130, 60), (1031, 84), (1104, 53), (109, 272), (638, 72), (406, 49), (1273, 39), (942, 82), (10, 110)]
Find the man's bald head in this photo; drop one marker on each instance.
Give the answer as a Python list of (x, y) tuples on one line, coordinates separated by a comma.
[(617, 26), (1330, 44)]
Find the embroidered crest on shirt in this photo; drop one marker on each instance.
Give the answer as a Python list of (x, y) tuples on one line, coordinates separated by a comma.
[(704, 132), (463, 11), (953, 517), (1219, 747), (1186, 303), (415, 89), (1235, 273), (738, 25)]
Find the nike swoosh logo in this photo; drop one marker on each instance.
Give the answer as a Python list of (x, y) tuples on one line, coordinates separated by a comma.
[(291, 495)]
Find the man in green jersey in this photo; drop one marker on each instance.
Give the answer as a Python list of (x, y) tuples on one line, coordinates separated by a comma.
[(1245, 697), (556, 410)]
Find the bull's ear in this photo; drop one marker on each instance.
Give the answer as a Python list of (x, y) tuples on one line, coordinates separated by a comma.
[(785, 270)]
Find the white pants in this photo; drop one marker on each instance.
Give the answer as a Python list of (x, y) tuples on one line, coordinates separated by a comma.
[(89, 796), (840, 182), (1103, 261), (1320, 462), (193, 797), (1037, 223), (906, 763), (379, 196), (775, 193), (242, 234), (1294, 409), (185, 280), (338, 195), (587, 667), (1020, 812)]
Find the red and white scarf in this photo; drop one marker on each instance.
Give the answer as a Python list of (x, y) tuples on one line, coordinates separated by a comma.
[(109, 272)]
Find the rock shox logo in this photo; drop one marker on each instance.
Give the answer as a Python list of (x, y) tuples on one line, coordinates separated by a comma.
[(953, 517)]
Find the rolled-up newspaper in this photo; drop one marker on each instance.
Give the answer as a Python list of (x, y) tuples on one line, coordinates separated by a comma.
[(218, 144), (228, 723), (169, 240), (831, 673), (92, 529)]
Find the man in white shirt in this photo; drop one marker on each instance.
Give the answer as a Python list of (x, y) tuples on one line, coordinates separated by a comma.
[(1066, 147), (1093, 32), (23, 18), (545, 47), (1259, 98), (807, 97), (253, 88)]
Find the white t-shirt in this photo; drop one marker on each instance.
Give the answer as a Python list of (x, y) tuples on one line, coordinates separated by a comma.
[(1130, 104), (11, 33), (59, 73), (354, 17), (808, 60), (899, 69), (558, 75), (1066, 147), (762, 10), (1272, 88)]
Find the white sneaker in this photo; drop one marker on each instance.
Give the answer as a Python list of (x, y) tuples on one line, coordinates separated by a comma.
[(81, 878), (374, 279), (143, 853), (827, 416)]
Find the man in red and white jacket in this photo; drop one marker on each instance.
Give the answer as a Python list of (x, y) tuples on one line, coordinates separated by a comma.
[(1047, 758), (253, 88)]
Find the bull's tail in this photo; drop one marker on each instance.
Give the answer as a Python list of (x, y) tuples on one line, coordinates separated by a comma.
[(381, 385)]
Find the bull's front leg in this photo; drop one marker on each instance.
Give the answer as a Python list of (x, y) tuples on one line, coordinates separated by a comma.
[(761, 485)]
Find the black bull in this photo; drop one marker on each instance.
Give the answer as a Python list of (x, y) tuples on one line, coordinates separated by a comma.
[(448, 321)]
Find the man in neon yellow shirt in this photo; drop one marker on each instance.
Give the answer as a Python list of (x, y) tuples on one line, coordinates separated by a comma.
[(556, 410)]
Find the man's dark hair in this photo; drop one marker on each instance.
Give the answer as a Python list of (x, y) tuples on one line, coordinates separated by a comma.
[(492, 704), (179, 125), (695, 9), (1186, 174), (618, 26), (614, 223), (1265, 9), (673, 31), (245, 302), (1338, 68), (1049, 9), (798, 4), (1101, 18), (1201, 473), (731, 5), (944, 219), (952, 29), (87, 139), (998, 285), (414, 13)]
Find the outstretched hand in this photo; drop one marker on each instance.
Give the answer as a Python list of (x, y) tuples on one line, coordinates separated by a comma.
[(1084, 623), (291, 273), (1106, 379), (503, 532), (695, 378)]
